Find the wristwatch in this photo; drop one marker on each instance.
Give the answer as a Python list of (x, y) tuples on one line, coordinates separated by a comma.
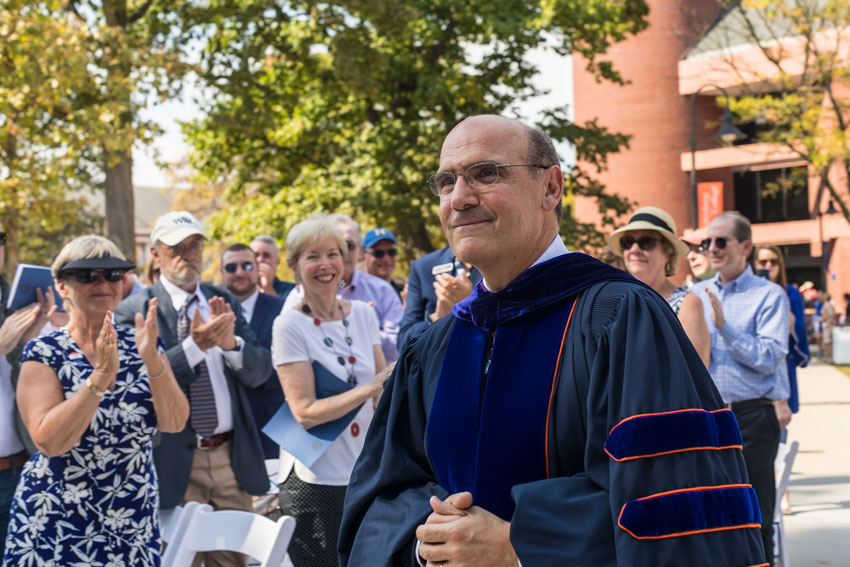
[(239, 343)]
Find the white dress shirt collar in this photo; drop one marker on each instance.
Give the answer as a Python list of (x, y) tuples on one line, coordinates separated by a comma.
[(249, 304), (556, 248), (180, 296)]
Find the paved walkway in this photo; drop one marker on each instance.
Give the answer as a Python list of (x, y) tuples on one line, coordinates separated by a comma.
[(818, 530)]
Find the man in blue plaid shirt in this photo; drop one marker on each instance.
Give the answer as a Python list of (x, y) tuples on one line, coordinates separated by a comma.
[(748, 317)]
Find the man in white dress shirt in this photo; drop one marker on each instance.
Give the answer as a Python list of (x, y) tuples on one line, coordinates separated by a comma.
[(215, 356)]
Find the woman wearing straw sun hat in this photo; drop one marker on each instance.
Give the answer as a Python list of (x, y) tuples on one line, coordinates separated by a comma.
[(651, 250)]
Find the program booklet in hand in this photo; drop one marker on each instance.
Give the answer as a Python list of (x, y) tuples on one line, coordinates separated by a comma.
[(307, 445), (27, 279)]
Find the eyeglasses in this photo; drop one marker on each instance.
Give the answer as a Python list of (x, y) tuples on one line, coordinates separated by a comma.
[(2, 238), (477, 176), (768, 262), (351, 245), (182, 248), (378, 254), (231, 267), (645, 243), (698, 248), (111, 275), (719, 241)]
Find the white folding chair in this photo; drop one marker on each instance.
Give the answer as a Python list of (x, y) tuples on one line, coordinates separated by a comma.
[(173, 525), (233, 530), (785, 456)]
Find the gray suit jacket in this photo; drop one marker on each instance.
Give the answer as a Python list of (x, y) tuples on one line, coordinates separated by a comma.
[(175, 451)]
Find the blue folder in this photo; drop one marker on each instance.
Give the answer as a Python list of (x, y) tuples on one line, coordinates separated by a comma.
[(307, 445), (27, 278)]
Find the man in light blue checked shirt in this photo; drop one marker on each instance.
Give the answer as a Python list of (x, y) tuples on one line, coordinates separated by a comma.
[(748, 317)]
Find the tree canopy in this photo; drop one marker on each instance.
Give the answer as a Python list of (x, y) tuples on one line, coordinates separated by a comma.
[(342, 105), (801, 99), (74, 76)]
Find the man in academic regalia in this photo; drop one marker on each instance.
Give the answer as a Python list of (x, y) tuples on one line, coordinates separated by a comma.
[(559, 416)]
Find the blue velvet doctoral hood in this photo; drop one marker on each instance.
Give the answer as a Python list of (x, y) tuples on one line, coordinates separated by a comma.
[(541, 285)]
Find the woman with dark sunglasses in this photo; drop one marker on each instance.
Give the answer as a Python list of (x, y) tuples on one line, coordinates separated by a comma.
[(92, 395), (650, 250)]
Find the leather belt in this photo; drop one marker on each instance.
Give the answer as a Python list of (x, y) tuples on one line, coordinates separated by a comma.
[(18, 460), (749, 404), (214, 441)]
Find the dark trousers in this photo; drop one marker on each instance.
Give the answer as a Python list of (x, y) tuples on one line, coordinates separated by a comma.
[(8, 484), (760, 431)]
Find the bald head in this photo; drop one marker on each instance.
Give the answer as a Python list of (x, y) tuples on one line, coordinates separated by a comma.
[(503, 217)]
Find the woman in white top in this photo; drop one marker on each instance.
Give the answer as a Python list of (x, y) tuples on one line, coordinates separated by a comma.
[(343, 337)]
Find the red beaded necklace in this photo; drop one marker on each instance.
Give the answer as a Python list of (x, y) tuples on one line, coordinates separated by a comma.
[(328, 342)]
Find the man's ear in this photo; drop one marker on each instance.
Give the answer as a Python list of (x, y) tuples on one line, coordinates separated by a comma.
[(554, 190)]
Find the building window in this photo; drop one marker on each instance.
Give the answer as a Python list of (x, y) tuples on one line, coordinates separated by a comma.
[(773, 195)]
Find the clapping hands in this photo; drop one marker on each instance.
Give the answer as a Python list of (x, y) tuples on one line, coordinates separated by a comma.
[(218, 331)]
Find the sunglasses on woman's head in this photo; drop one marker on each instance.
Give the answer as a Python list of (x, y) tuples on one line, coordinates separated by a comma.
[(90, 276), (231, 267), (719, 241), (645, 243)]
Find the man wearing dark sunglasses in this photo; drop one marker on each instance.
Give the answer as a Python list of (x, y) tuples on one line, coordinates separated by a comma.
[(240, 274), (217, 458), (748, 320), (380, 256), (697, 255)]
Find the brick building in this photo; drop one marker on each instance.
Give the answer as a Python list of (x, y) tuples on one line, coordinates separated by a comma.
[(683, 57)]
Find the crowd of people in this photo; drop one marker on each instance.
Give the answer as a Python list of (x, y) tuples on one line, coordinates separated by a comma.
[(510, 402)]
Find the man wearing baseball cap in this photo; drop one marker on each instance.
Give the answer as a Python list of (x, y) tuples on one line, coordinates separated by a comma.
[(217, 458), (380, 256)]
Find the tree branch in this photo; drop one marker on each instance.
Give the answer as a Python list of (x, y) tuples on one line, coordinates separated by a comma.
[(140, 13), (72, 6)]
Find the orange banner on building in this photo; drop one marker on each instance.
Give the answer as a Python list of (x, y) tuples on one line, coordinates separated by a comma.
[(710, 201)]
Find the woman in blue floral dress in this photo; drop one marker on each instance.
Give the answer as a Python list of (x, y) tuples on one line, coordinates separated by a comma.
[(92, 395)]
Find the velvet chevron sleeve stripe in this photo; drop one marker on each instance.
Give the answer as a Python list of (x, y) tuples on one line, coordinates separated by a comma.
[(691, 511), (655, 434)]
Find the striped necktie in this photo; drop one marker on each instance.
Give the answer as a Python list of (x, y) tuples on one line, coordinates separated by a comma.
[(202, 417)]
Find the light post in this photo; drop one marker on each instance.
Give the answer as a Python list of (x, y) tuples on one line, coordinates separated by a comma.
[(728, 134), (824, 252)]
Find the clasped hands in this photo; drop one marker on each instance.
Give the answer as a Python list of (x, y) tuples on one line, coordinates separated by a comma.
[(458, 534), (218, 331)]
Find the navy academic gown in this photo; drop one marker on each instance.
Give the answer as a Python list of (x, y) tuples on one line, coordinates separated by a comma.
[(641, 461)]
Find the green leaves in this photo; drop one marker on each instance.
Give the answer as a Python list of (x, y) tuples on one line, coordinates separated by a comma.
[(321, 106), (801, 101)]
